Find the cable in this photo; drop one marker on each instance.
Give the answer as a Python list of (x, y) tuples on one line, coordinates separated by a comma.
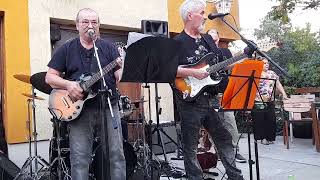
[(235, 22)]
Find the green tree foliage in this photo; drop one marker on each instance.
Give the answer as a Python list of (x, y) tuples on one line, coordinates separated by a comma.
[(299, 51), (286, 7)]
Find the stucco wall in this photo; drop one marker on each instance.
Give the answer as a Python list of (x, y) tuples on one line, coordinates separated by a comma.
[(165, 102), (15, 61), (176, 24), (120, 14)]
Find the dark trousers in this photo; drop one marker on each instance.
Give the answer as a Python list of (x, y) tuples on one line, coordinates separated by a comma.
[(264, 122), (193, 117)]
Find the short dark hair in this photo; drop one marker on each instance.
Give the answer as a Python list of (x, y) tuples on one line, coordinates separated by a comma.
[(86, 9)]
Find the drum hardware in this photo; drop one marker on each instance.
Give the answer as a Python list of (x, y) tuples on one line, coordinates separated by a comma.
[(144, 163), (62, 170), (136, 154), (62, 165), (137, 103), (38, 81), (125, 108), (35, 160), (60, 153)]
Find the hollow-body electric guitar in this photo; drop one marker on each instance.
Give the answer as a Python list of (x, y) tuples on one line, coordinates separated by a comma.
[(62, 104), (190, 87)]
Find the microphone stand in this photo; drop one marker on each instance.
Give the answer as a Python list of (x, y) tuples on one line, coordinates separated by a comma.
[(103, 91), (254, 47)]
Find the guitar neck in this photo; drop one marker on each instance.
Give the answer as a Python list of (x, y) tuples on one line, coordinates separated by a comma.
[(225, 63), (97, 76)]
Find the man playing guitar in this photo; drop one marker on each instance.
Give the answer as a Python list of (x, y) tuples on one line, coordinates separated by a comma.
[(200, 111), (75, 58)]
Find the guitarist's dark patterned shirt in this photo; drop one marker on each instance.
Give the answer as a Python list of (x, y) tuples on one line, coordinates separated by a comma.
[(194, 50), (74, 60), (198, 53)]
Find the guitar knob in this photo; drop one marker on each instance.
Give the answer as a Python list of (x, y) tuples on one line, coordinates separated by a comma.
[(74, 113), (77, 107), (70, 117)]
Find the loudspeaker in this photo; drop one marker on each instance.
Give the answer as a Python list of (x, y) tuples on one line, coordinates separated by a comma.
[(55, 33), (156, 28)]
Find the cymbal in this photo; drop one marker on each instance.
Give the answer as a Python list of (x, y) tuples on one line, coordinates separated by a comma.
[(38, 81), (31, 96), (23, 78)]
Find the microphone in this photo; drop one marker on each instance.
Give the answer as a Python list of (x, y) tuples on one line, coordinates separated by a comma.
[(212, 16), (91, 33)]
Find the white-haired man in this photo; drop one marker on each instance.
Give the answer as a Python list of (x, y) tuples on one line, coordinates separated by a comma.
[(200, 112)]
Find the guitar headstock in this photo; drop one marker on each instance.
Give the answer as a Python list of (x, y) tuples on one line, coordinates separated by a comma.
[(267, 45), (263, 46), (121, 48)]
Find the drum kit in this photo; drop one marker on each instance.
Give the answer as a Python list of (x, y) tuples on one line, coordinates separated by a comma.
[(35, 167), (36, 162)]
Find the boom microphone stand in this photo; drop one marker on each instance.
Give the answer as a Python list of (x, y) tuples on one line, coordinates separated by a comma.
[(254, 47), (103, 93), (249, 81), (245, 85)]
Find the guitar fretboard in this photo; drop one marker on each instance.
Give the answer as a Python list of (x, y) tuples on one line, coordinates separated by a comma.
[(225, 63), (97, 76)]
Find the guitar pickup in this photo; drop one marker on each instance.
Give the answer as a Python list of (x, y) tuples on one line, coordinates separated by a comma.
[(70, 98), (65, 102)]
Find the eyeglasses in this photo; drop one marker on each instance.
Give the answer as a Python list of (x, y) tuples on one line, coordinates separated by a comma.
[(86, 23)]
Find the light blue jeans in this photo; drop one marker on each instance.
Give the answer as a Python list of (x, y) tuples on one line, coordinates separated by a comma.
[(81, 140)]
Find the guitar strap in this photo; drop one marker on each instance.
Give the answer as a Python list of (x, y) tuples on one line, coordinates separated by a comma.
[(207, 38), (94, 63), (212, 46)]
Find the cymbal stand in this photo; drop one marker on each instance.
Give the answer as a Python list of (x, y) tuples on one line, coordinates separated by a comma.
[(146, 159), (38, 160), (62, 169), (29, 130)]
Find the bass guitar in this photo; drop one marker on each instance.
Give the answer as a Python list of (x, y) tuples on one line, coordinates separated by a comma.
[(190, 87)]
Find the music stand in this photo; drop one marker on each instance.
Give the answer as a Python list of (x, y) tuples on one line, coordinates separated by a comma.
[(153, 60), (240, 96)]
